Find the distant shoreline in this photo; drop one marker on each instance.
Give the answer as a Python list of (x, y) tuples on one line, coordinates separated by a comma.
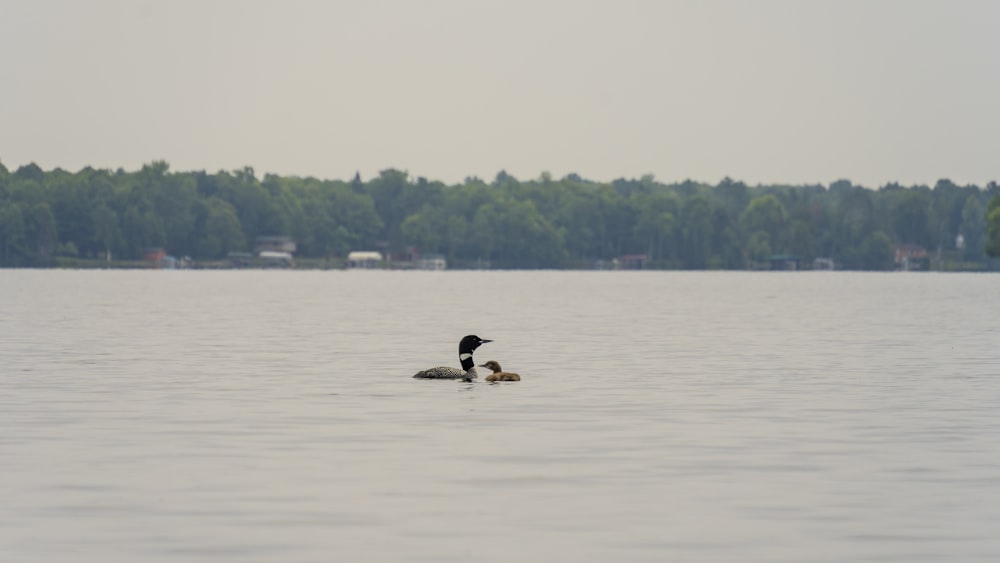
[(332, 264)]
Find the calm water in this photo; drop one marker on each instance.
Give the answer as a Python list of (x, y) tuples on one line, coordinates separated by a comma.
[(271, 416)]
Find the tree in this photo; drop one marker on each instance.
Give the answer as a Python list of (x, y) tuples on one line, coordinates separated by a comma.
[(656, 225), (801, 240), (172, 199), (221, 232), (43, 231), (13, 234), (581, 215), (543, 222), (395, 197), (106, 231), (30, 171), (759, 246), (512, 234), (425, 230), (875, 252), (766, 214), (911, 218), (993, 228), (358, 225), (695, 231), (133, 233), (973, 228)]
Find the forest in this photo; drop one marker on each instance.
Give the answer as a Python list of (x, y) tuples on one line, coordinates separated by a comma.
[(58, 218)]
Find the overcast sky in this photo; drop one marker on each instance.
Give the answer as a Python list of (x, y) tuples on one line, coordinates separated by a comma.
[(764, 91)]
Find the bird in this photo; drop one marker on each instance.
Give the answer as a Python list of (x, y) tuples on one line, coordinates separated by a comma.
[(498, 373), (466, 347)]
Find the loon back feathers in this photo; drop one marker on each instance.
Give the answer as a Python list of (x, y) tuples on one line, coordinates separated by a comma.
[(466, 347), (445, 372), (498, 373)]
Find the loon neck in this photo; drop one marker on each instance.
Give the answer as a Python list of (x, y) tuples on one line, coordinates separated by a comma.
[(466, 358), (466, 347)]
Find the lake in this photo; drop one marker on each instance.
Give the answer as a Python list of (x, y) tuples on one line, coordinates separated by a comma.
[(156, 416)]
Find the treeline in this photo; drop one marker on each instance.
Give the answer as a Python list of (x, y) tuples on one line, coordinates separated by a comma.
[(508, 223)]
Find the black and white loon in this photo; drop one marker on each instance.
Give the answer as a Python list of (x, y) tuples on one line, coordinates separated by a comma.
[(466, 347)]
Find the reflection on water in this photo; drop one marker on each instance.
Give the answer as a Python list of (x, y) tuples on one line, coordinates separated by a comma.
[(271, 416)]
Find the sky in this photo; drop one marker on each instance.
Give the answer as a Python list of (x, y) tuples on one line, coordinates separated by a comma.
[(762, 91)]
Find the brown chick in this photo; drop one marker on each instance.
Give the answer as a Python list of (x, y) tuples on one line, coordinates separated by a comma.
[(498, 373)]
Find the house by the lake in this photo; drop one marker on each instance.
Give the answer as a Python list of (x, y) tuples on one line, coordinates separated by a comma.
[(275, 251), (274, 244), (788, 262), (911, 257), (364, 260), (434, 262), (276, 259), (630, 262)]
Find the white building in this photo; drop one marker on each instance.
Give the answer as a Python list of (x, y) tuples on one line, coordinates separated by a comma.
[(364, 259)]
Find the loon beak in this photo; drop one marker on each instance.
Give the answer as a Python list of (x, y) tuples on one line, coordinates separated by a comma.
[(484, 341)]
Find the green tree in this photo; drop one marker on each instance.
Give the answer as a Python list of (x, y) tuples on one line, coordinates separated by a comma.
[(911, 219), (13, 234), (875, 252), (30, 171), (973, 227), (993, 228), (581, 215), (395, 196), (543, 222), (106, 229), (759, 247), (766, 214), (172, 199), (358, 225), (220, 232), (512, 234), (696, 231), (133, 234), (656, 227), (43, 231)]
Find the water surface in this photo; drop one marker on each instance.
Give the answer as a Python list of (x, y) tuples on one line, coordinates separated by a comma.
[(271, 416)]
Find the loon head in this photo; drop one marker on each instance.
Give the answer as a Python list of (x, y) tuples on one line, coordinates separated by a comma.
[(492, 365), (466, 347), (469, 344)]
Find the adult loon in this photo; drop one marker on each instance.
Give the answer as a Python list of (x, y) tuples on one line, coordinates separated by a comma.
[(466, 347), (498, 373)]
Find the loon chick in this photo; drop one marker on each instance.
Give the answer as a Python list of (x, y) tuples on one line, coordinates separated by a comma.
[(498, 373), (466, 347)]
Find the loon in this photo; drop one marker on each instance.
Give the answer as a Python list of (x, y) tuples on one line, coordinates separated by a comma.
[(498, 373), (466, 347)]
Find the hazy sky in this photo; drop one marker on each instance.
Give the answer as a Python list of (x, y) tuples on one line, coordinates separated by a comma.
[(764, 91)]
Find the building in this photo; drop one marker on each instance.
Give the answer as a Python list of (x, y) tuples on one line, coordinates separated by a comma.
[(434, 262), (154, 256), (630, 262), (274, 244), (364, 260), (240, 259), (788, 262), (823, 264), (276, 259), (275, 251), (910, 257)]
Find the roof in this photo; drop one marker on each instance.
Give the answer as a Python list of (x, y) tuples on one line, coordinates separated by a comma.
[(275, 255), (365, 255)]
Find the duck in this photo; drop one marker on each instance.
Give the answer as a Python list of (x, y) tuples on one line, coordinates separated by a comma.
[(466, 347), (498, 373)]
